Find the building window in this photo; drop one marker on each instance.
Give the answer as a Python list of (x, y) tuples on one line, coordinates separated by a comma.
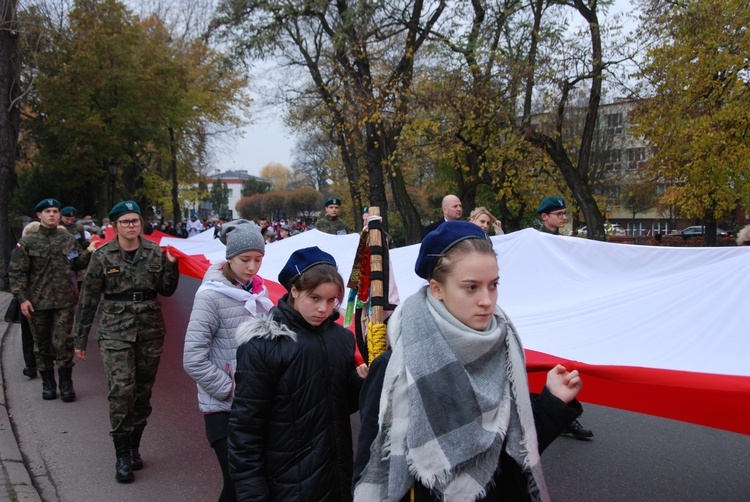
[(636, 157), (613, 192), (230, 192), (660, 227), (614, 123), (635, 229), (612, 160)]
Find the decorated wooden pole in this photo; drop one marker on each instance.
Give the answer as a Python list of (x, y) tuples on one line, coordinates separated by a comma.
[(376, 333)]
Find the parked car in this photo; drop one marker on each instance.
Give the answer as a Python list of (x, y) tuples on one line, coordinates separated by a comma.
[(698, 231), (609, 229)]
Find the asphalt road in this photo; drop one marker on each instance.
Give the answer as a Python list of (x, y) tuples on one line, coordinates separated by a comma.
[(71, 456)]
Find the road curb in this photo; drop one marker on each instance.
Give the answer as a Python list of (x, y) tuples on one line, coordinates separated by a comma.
[(16, 480)]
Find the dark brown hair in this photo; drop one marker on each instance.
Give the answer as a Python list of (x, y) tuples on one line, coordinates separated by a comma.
[(444, 264), (315, 276)]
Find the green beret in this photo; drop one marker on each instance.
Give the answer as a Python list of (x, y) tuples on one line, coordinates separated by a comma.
[(45, 203), (124, 207), (551, 203), (332, 200), (68, 211)]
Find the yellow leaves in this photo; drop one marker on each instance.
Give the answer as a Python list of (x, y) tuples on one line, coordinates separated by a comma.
[(697, 120)]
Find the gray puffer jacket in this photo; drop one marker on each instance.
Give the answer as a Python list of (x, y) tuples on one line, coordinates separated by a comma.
[(210, 347)]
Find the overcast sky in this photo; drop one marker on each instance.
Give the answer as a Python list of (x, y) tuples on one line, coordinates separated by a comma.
[(266, 140)]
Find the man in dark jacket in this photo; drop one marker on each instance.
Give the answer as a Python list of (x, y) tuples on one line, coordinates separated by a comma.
[(452, 210)]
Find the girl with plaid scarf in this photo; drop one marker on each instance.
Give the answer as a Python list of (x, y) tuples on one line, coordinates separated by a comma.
[(446, 413)]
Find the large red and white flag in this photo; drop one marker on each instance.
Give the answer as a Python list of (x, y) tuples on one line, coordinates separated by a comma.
[(656, 330)]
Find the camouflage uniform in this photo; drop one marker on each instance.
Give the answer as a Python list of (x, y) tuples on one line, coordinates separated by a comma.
[(334, 226), (131, 327), (75, 229), (41, 271)]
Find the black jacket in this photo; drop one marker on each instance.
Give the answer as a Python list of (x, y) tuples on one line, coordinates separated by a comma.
[(551, 417), (432, 226), (289, 433)]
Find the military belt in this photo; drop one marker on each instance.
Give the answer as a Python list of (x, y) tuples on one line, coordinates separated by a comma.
[(132, 296)]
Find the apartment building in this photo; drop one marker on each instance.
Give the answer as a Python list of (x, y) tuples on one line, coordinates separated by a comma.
[(618, 156)]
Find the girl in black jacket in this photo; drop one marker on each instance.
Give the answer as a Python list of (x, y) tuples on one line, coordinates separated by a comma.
[(296, 385), (446, 413)]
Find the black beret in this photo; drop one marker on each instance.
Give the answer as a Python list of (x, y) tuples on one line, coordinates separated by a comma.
[(68, 211), (45, 203), (332, 200), (439, 241), (301, 260)]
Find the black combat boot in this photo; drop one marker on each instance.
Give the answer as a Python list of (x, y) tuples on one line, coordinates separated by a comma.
[(123, 469), (67, 392), (135, 444), (49, 386)]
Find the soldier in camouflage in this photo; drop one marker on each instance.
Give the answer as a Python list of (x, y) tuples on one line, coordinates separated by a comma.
[(41, 278), (74, 228), (330, 223), (128, 271), (68, 220)]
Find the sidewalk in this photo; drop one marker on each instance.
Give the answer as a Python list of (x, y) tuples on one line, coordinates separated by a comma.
[(15, 482)]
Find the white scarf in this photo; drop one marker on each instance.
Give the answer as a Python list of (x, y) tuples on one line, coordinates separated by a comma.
[(254, 303)]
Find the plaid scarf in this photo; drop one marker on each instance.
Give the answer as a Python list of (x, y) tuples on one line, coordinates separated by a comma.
[(450, 401)]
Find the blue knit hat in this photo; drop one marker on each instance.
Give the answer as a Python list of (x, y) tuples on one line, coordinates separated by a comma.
[(439, 241), (45, 203), (549, 204), (124, 207), (301, 260), (68, 211)]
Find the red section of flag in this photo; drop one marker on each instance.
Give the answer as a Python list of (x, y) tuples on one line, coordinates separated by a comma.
[(712, 400)]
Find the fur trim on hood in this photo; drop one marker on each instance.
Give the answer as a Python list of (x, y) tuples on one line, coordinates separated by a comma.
[(264, 327)]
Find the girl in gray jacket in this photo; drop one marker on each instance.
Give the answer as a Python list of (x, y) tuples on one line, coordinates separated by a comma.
[(230, 293)]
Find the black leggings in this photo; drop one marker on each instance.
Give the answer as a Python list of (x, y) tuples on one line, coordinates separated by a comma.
[(217, 425), (227, 492)]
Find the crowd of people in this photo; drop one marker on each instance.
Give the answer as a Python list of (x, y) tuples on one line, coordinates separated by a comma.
[(446, 411)]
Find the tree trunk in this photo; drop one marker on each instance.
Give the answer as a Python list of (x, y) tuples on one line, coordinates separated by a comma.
[(9, 121), (709, 231), (404, 203), (173, 171), (375, 169), (576, 174)]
